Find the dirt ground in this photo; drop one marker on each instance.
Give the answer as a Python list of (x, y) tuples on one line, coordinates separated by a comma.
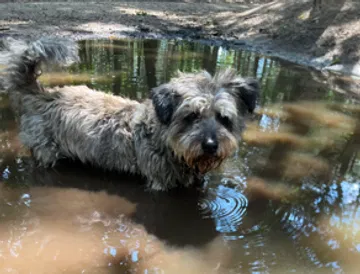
[(326, 37)]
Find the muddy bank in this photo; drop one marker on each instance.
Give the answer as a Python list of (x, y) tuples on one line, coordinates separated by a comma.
[(325, 37)]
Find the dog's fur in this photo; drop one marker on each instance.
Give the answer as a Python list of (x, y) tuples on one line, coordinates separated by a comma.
[(187, 127)]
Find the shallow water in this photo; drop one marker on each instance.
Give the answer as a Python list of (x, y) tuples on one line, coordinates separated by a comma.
[(288, 201)]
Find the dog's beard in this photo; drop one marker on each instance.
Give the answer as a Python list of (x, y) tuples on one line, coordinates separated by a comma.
[(202, 163), (205, 164), (192, 155)]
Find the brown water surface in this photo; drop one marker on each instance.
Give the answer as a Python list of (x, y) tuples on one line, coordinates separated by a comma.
[(287, 201)]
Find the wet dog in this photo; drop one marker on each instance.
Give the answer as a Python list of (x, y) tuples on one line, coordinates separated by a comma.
[(187, 127)]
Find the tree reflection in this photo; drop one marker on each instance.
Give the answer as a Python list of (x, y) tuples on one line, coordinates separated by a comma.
[(136, 66)]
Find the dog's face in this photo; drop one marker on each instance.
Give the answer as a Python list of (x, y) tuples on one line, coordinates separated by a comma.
[(204, 115)]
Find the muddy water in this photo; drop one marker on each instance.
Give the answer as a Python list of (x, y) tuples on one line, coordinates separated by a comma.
[(288, 201)]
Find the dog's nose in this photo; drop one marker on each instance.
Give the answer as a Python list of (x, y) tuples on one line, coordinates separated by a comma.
[(210, 145)]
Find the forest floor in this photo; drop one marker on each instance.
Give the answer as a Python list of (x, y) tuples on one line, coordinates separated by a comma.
[(326, 37)]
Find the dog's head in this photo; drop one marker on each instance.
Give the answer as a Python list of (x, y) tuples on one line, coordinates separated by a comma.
[(204, 115)]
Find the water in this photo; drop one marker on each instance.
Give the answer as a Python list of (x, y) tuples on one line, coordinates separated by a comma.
[(288, 201)]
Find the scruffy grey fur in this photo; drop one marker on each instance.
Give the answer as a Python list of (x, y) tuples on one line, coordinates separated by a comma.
[(187, 127)]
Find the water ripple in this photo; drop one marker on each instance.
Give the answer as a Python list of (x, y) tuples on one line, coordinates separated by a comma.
[(226, 206)]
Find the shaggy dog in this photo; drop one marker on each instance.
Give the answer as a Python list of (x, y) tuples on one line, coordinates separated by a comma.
[(187, 127)]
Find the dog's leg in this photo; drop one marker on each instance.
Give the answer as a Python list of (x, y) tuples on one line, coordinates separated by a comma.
[(47, 155), (34, 134), (158, 182), (160, 177)]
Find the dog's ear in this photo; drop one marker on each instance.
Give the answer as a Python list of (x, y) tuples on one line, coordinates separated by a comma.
[(246, 90), (165, 101)]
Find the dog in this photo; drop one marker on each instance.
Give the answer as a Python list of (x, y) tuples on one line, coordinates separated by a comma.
[(186, 128)]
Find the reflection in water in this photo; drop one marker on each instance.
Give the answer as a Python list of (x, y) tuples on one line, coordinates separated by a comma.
[(226, 206), (288, 201), (109, 226)]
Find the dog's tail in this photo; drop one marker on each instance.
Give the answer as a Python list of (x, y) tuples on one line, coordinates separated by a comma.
[(22, 59)]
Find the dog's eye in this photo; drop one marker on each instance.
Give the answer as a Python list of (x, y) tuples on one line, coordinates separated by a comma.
[(191, 117), (225, 121)]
